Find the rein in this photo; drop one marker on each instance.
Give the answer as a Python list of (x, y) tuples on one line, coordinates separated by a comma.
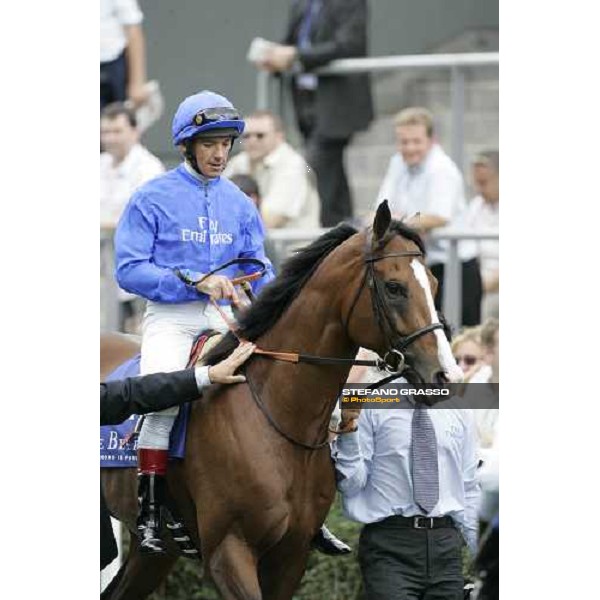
[(396, 342), (291, 357)]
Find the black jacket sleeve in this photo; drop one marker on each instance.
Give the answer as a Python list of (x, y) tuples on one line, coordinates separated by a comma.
[(149, 393)]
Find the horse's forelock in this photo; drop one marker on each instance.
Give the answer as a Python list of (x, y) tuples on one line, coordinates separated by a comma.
[(402, 229)]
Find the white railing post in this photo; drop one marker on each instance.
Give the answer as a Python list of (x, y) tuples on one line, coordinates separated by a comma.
[(452, 304), (457, 94), (109, 294), (262, 90)]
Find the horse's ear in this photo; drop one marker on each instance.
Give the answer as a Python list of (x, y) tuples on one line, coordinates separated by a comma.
[(382, 221)]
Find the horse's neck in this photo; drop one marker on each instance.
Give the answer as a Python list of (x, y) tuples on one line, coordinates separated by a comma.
[(301, 396)]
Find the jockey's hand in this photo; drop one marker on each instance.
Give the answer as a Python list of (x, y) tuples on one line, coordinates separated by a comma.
[(218, 287), (223, 372)]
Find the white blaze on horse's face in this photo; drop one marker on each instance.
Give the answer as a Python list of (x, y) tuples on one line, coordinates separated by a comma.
[(445, 357)]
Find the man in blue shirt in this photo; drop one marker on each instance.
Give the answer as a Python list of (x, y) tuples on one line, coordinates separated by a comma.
[(176, 228), (409, 475)]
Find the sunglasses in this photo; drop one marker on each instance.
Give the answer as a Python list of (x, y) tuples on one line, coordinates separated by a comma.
[(258, 135), (469, 360), (210, 115)]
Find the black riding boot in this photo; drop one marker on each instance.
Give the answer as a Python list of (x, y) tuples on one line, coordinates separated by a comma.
[(327, 543), (151, 493)]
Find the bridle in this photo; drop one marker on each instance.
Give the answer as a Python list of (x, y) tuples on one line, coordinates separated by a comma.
[(393, 361), (395, 342)]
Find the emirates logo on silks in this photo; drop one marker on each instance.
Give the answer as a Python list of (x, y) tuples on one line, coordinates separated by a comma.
[(198, 119)]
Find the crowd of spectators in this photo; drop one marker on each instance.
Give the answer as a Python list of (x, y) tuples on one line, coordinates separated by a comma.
[(423, 185)]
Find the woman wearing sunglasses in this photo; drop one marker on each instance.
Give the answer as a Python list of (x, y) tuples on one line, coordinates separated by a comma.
[(468, 351), (476, 352)]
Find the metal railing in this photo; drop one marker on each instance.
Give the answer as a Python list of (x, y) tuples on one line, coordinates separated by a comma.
[(109, 291), (457, 63), (283, 241)]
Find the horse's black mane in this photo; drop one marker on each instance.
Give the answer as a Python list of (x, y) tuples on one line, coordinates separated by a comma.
[(276, 296)]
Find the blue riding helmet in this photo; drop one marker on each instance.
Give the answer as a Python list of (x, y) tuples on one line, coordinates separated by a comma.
[(205, 111)]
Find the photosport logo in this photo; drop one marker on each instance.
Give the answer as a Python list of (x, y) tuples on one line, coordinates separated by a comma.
[(407, 395)]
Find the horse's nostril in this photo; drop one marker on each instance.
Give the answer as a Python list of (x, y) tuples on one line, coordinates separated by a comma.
[(441, 377)]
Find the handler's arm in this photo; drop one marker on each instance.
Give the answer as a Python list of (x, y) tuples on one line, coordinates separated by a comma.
[(149, 393), (140, 395), (471, 484), (353, 454)]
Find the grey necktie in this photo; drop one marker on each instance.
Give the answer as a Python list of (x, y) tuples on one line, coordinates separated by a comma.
[(426, 486)]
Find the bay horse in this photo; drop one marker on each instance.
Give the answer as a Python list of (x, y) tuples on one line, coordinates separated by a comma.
[(257, 481)]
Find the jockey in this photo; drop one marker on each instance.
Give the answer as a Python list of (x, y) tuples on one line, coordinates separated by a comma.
[(175, 228)]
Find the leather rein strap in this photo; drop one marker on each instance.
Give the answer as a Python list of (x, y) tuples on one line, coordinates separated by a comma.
[(396, 343), (275, 426)]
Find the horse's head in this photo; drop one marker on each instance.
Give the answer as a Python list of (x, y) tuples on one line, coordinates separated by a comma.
[(393, 311)]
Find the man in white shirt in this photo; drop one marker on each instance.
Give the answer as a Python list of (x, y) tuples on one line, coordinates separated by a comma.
[(124, 165), (425, 188), (483, 213), (288, 191), (409, 474), (122, 53)]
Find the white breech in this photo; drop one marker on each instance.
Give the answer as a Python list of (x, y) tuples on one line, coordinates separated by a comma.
[(168, 332)]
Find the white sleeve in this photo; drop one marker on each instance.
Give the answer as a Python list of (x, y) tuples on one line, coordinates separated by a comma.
[(128, 12), (202, 378), (150, 168), (353, 454), (471, 482), (445, 195), (153, 168), (288, 191), (234, 167)]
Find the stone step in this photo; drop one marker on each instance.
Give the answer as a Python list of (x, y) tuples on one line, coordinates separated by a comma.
[(369, 153)]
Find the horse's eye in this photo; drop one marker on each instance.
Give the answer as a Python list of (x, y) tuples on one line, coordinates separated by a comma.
[(396, 289)]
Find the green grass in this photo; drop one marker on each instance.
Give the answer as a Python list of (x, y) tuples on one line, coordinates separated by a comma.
[(326, 578)]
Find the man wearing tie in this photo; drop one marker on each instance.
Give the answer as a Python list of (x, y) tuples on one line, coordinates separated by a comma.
[(329, 109), (409, 475)]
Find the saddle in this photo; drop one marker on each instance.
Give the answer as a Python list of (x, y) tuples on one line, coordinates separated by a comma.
[(203, 344)]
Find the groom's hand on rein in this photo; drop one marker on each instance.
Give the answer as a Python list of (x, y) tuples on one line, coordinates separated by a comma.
[(349, 420), (223, 372)]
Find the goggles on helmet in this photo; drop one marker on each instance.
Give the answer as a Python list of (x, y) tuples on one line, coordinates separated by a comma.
[(213, 115)]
